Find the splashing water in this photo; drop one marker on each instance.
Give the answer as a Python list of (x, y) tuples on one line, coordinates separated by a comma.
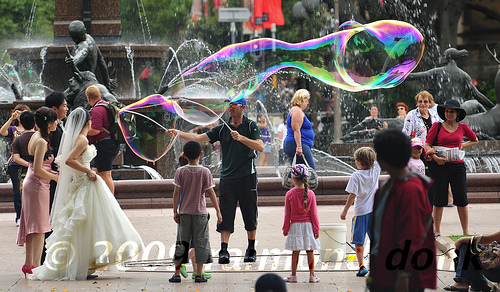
[(372, 56), (151, 171)]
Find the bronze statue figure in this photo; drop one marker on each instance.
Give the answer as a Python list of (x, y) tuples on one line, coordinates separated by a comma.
[(86, 56), (486, 124), (449, 81)]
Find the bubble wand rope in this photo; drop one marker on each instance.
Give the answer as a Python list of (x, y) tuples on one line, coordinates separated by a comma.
[(146, 117), (229, 128)]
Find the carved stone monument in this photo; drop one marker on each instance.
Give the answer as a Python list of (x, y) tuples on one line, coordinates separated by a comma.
[(101, 19), (487, 124), (125, 62)]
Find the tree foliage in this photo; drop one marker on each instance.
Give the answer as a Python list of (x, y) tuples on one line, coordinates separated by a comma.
[(25, 21), (154, 21)]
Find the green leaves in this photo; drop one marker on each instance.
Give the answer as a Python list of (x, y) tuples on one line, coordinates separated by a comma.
[(25, 21)]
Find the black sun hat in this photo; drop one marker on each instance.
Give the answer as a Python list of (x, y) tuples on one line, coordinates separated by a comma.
[(451, 104)]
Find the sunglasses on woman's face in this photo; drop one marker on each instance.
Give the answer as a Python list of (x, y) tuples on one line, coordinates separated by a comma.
[(423, 101), (235, 105), (400, 108)]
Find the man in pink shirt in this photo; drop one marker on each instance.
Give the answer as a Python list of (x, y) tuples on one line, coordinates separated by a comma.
[(107, 148)]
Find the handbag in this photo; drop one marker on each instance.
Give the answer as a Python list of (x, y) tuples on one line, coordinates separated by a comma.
[(287, 180), (488, 254), (4, 173)]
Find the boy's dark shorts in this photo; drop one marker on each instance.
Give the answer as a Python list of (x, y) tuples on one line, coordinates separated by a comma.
[(107, 149)]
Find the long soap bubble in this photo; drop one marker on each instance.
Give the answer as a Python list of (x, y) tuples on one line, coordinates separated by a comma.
[(364, 57), (144, 124)]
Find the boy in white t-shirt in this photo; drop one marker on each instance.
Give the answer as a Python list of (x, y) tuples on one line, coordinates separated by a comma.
[(361, 188), (415, 163)]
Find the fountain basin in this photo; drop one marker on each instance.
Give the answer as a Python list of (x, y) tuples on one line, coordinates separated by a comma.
[(484, 157), (122, 59)]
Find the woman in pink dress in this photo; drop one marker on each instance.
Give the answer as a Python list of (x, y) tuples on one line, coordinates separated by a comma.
[(35, 198)]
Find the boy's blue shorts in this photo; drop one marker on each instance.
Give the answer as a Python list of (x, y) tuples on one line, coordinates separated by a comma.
[(360, 226)]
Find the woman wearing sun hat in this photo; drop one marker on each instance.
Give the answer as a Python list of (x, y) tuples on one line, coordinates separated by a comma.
[(445, 171)]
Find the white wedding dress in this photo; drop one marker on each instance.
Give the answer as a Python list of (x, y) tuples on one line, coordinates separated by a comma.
[(91, 231)]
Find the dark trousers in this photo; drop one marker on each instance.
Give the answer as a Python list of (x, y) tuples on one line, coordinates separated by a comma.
[(453, 174), (15, 176), (469, 270)]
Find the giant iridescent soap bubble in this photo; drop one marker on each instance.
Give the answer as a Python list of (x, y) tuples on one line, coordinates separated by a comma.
[(364, 57), (371, 56)]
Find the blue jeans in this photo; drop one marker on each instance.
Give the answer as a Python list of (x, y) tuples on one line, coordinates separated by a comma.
[(15, 175), (290, 148), (469, 270)]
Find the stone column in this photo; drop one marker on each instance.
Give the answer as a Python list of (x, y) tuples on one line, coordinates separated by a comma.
[(104, 16)]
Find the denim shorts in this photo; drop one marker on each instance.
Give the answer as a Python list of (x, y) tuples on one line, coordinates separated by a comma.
[(360, 227)]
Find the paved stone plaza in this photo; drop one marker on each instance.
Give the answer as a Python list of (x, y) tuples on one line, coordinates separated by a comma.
[(151, 270)]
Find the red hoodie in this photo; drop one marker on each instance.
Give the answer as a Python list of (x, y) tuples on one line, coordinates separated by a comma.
[(407, 217)]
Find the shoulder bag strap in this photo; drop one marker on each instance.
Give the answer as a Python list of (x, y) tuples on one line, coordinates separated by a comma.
[(437, 134), (104, 105)]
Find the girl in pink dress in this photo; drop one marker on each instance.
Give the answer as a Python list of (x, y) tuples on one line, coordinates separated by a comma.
[(35, 198), (301, 226)]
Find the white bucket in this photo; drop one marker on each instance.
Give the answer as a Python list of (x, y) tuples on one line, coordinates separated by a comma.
[(333, 240)]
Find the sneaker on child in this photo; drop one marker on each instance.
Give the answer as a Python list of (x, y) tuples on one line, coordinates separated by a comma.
[(362, 271)]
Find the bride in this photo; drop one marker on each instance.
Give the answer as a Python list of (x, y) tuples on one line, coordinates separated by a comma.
[(90, 230)]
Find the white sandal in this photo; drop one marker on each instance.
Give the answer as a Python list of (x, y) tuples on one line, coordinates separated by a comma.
[(290, 279)]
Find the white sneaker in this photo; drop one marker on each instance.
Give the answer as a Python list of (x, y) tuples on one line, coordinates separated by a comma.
[(17, 222)]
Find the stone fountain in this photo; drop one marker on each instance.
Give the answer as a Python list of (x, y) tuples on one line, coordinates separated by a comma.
[(452, 82), (125, 62)]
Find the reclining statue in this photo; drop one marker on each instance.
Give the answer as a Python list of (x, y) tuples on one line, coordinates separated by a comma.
[(450, 81), (365, 131), (487, 124)]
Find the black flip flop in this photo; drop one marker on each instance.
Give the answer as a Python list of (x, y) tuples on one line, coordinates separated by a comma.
[(484, 289)]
